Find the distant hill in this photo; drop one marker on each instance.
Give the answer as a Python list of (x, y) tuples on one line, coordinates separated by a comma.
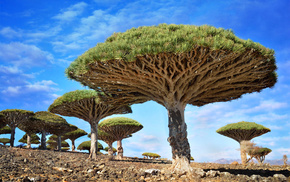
[(228, 161)]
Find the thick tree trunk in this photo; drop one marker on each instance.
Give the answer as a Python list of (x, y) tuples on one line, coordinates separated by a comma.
[(119, 149), (28, 140), (73, 148), (43, 140), (110, 149), (94, 141), (58, 143), (178, 139), (12, 137), (243, 146)]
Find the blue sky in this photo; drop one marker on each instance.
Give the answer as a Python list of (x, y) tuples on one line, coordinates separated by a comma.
[(39, 39)]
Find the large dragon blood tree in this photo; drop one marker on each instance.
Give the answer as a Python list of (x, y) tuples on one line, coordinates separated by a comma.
[(243, 132), (120, 128), (91, 106), (15, 117), (176, 65)]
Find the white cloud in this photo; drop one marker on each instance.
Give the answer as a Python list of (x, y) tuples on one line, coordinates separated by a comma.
[(12, 90), (23, 55), (44, 85), (8, 32), (41, 86), (72, 12)]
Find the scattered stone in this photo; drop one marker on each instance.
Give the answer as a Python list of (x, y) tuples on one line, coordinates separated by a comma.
[(212, 173), (152, 171), (280, 177)]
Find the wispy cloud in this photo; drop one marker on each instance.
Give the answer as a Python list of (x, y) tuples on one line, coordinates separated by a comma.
[(23, 55), (8, 32), (71, 12)]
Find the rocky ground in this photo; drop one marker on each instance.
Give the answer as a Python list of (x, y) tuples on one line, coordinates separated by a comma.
[(18, 164)]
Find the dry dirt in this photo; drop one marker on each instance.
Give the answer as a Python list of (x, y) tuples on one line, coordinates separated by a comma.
[(17, 164)]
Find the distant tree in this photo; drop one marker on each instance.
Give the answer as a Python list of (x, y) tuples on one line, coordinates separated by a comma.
[(285, 159), (120, 128), (73, 135), (54, 124), (113, 150), (151, 155), (90, 106), (53, 144), (86, 145), (5, 130), (30, 127), (243, 132), (176, 65), (259, 153), (15, 117), (34, 139), (4, 140)]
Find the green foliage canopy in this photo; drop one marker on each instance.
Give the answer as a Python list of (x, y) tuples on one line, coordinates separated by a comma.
[(34, 139), (86, 145), (5, 130), (243, 125), (151, 155), (75, 96), (243, 130), (119, 121), (4, 140), (73, 135), (163, 39)]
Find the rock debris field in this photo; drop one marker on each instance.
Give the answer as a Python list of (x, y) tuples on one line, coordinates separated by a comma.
[(17, 164)]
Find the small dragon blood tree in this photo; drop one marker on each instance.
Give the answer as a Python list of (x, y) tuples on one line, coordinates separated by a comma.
[(15, 117), (34, 139), (73, 135), (176, 65), (120, 128), (91, 106), (86, 145), (5, 130), (109, 139), (243, 132), (55, 124)]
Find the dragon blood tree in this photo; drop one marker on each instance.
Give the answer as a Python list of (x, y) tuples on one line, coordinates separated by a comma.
[(243, 132), (86, 145), (5, 130), (108, 139), (4, 140), (120, 128), (73, 135), (91, 106), (30, 127), (55, 124), (53, 142), (259, 153), (15, 117), (34, 139), (176, 65)]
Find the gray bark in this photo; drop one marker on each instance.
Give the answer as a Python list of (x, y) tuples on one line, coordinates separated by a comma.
[(43, 139), (119, 149), (73, 145), (12, 137), (178, 133), (94, 140), (28, 140), (58, 143)]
